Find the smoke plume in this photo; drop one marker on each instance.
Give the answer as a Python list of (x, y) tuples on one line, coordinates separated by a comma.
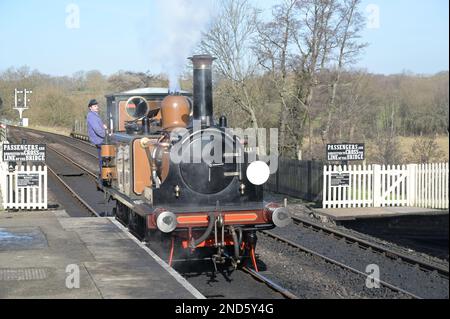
[(180, 24)]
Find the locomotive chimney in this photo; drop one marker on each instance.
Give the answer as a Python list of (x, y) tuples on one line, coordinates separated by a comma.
[(203, 99)]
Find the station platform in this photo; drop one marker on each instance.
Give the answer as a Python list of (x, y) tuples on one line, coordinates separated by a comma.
[(37, 248), (346, 214)]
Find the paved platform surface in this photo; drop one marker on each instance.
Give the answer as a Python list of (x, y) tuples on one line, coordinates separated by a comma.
[(37, 247), (341, 214)]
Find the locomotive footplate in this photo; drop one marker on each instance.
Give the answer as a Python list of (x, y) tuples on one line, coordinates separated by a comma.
[(141, 217), (143, 209)]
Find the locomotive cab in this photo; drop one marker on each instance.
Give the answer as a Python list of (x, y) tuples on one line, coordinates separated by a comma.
[(126, 108)]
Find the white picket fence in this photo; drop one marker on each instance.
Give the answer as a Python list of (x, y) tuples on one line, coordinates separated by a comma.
[(3, 133), (424, 185), (15, 196)]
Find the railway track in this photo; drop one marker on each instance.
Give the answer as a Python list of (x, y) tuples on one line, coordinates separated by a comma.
[(80, 200), (63, 139), (427, 266), (336, 263), (91, 154), (87, 148), (283, 291), (224, 282), (400, 272)]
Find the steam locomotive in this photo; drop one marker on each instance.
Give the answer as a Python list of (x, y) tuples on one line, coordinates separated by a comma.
[(181, 179)]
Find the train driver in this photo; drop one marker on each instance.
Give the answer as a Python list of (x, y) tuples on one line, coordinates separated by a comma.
[(96, 130)]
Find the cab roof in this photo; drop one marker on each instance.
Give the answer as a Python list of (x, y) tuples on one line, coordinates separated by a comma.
[(147, 91)]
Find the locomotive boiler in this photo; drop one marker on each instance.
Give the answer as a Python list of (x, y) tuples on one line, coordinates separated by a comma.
[(180, 178)]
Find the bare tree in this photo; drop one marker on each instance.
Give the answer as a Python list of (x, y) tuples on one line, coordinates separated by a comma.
[(123, 81), (303, 40), (229, 40), (387, 144), (294, 47), (313, 49), (272, 47), (347, 32), (426, 150)]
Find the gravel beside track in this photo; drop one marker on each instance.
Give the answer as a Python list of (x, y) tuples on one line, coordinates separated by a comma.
[(310, 277), (419, 282)]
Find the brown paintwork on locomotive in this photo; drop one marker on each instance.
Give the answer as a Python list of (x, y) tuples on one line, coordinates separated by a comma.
[(165, 167), (108, 151), (109, 173), (124, 116), (142, 165), (142, 168), (175, 112)]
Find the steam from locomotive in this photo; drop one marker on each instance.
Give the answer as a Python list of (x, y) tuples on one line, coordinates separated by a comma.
[(181, 23)]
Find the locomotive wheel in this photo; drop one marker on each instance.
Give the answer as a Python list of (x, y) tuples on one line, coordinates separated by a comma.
[(248, 257), (161, 244), (122, 214)]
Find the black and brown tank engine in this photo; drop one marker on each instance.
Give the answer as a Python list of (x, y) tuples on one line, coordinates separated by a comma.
[(177, 175)]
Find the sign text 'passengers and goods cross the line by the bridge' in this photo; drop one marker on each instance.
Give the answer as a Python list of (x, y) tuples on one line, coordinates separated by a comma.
[(346, 152), (24, 153)]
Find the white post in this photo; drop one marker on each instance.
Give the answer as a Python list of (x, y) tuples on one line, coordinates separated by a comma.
[(411, 191), (324, 191), (445, 185), (2, 186), (376, 186), (45, 206)]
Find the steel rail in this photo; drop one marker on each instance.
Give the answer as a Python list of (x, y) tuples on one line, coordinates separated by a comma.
[(286, 293), (66, 137), (79, 148), (335, 262), (74, 194), (92, 174), (53, 133), (67, 158)]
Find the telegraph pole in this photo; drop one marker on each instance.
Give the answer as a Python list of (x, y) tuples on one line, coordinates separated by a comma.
[(21, 101)]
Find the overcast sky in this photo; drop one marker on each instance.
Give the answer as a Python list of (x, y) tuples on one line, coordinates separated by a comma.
[(115, 35)]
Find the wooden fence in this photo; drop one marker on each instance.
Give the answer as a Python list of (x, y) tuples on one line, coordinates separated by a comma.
[(431, 185), (3, 132), (20, 196), (25, 187), (79, 130), (424, 185), (301, 179)]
